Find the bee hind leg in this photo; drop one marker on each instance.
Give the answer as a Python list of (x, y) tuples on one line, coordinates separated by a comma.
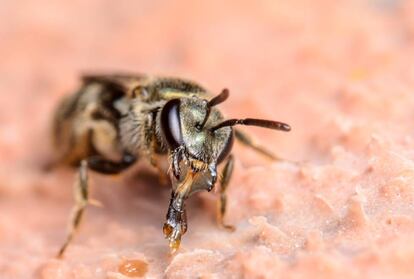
[(81, 201), (248, 141), (222, 201), (81, 191)]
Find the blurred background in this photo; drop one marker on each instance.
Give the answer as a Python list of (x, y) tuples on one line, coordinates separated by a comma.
[(294, 52), (338, 71)]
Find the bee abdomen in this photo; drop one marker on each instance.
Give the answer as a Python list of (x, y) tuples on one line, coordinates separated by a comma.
[(86, 124)]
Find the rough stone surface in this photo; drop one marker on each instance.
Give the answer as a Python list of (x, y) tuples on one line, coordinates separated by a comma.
[(340, 72)]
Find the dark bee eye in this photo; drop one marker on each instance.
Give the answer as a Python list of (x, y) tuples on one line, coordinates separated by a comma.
[(226, 149), (171, 124)]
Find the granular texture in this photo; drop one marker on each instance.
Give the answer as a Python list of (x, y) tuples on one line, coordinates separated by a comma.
[(339, 72)]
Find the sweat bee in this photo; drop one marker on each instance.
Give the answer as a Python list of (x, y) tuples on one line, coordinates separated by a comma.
[(113, 120)]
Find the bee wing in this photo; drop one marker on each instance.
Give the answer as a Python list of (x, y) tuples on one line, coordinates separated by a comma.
[(120, 82)]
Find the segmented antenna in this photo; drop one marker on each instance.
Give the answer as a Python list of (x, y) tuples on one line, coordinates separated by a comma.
[(275, 125), (213, 102)]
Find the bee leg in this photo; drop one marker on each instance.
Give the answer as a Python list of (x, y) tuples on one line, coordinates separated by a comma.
[(213, 173), (184, 220), (222, 202), (105, 166), (250, 142), (177, 155), (176, 219), (98, 164), (162, 175), (176, 223), (81, 201)]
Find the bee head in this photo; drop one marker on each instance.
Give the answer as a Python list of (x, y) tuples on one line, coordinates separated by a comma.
[(196, 132), (187, 123)]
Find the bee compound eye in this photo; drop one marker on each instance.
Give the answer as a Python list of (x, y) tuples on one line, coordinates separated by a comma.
[(171, 123)]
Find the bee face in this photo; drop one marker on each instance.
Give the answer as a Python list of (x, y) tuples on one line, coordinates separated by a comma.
[(184, 125)]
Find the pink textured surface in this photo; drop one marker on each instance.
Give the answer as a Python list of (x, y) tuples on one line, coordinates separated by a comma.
[(340, 72)]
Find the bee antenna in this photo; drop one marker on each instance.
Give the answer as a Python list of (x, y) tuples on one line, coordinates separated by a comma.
[(220, 98), (224, 95), (274, 125)]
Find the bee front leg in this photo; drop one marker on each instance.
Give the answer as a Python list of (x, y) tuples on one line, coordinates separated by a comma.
[(222, 201), (176, 223), (184, 220), (81, 194), (177, 155)]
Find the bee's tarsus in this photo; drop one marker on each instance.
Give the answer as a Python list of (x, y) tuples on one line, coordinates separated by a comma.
[(81, 193)]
